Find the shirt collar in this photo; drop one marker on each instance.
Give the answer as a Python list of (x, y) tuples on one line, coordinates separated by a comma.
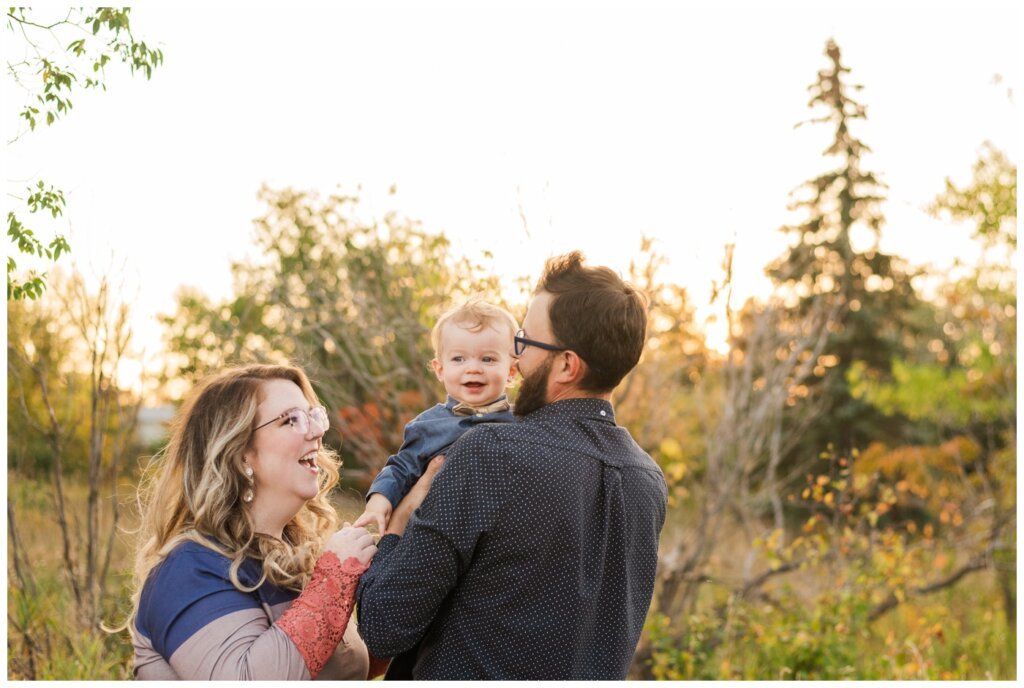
[(580, 407), (452, 402)]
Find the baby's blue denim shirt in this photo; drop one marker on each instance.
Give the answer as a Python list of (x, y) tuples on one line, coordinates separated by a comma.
[(426, 436)]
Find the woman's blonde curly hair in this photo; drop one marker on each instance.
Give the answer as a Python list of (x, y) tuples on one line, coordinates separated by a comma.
[(192, 489)]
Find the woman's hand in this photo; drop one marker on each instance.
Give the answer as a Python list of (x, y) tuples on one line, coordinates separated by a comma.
[(351, 542), (403, 512)]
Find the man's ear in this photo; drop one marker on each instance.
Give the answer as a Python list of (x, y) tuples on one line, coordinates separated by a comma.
[(438, 369), (569, 368)]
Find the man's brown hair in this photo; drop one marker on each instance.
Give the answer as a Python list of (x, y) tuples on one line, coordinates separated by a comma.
[(596, 314)]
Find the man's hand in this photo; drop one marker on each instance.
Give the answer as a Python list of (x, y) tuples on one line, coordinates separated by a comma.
[(411, 502), (378, 512)]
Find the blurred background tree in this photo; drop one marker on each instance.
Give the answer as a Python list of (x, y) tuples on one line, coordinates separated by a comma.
[(836, 256), (349, 298), (68, 417)]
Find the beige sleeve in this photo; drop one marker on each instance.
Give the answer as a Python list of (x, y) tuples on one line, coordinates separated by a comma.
[(242, 645)]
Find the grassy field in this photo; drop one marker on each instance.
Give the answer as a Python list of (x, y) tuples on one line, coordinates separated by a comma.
[(813, 626), (47, 639)]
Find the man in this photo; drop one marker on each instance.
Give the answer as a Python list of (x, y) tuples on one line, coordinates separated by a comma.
[(533, 555)]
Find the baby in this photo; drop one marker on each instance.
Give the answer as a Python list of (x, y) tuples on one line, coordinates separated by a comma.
[(473, 358)]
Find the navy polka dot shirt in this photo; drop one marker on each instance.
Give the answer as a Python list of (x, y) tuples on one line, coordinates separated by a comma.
[(532, 557)]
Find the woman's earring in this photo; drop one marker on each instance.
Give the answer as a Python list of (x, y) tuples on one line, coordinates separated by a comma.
[(248, 494)]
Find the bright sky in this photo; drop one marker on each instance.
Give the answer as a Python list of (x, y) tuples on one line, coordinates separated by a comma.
[(601, 123)]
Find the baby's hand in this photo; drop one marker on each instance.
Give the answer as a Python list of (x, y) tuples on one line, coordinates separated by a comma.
[(378, 512)]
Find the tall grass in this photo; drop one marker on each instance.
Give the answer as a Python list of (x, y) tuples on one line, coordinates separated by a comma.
[(46, 637)]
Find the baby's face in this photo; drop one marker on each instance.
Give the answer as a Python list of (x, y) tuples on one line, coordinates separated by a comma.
[(475, 367)]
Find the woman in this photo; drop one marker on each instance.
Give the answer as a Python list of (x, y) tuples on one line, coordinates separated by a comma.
[(240, 573)]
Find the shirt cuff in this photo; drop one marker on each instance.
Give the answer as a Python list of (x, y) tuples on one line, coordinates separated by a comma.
[(388, 490)]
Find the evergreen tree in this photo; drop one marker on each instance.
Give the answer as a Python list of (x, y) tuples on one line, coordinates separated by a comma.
[(871, 289)]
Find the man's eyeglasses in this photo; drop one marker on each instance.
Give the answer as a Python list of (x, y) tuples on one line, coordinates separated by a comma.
[(300, 420), (522, 342)]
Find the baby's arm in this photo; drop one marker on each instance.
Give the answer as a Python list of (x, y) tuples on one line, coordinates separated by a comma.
[(389, 486), (401, 472)]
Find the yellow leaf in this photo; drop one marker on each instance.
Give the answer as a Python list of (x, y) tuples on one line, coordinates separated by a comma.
[(676, 471), (671, 450)]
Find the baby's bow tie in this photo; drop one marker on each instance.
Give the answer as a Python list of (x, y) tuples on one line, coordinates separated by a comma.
[(463, 409)]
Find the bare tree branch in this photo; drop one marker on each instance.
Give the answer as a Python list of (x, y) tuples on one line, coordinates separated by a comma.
[(975, 564)]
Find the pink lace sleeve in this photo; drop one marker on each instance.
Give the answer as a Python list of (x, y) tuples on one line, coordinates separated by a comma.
[(318, 617)]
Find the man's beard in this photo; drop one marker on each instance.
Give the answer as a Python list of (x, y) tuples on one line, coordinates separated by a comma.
[(533, 391)]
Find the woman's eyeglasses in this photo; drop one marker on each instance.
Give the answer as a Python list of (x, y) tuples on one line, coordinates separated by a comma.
[(300, 420)]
